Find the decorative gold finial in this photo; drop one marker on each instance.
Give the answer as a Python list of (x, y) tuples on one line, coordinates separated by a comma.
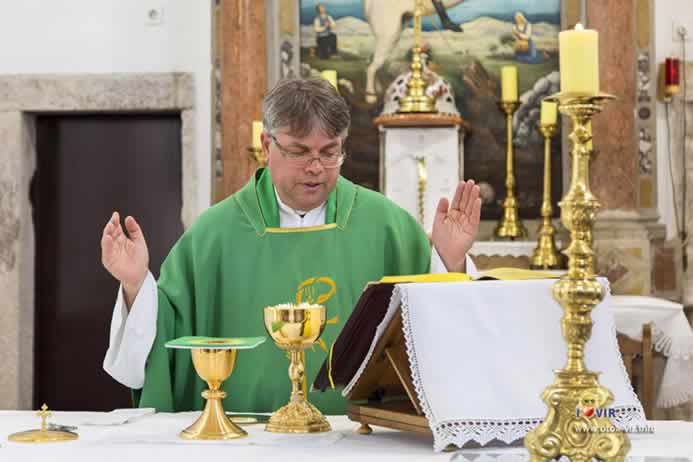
[(44, 413), (417, 100)]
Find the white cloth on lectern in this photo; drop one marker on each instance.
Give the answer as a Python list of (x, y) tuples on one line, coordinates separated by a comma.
[(132, 334), (481, 353), (671, 335)]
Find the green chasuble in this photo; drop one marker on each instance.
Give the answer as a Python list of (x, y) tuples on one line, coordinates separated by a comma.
[(235, 260)]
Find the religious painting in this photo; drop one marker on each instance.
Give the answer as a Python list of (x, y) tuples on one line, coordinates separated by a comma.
[(466, 42)]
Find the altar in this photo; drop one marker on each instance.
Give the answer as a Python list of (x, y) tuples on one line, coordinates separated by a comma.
[(155, 437)]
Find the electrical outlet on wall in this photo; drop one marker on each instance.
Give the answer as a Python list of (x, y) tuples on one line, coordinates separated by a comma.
[(154, 15), (682, 30)]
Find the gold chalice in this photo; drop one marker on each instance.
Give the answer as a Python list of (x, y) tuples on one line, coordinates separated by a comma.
[(295, 328), (214, 360)]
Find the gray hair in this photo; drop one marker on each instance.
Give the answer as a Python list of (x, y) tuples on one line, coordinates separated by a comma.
[(303, 104)]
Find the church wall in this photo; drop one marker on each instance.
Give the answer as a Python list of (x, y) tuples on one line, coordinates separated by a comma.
[(113, 36), (666, 12)]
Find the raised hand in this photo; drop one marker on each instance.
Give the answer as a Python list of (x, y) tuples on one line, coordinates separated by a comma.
[(126, 258), (456, 224)]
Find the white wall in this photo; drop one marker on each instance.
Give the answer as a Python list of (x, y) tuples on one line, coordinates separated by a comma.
[(666, 12), (113, 36)]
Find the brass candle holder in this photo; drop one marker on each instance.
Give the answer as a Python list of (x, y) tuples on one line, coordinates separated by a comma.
[(566, 431), (258, 155), (510, 226), (546, 255), (416, 99), (296, 328)]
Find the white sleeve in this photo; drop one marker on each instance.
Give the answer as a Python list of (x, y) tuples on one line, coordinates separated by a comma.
[(132, 335), (437, 265)]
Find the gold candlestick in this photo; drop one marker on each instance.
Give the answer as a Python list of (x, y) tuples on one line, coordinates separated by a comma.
[(510, 226), (417, 100), (567, 430), (422, 177), (545, 255), (258, 154)]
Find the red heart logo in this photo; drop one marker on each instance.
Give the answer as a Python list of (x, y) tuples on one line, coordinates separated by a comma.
[(588, 412)]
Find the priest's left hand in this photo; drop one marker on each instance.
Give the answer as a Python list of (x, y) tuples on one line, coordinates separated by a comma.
[(456, 224)]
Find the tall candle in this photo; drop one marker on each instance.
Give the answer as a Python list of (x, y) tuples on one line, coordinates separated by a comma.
[(257, 132), (508, 83), (579, 61), (548, 112), (330, 76)]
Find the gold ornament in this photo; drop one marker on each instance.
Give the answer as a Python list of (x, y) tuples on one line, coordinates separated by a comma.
[(510, 226), (44, 435), (545, 255), (417, 100), (566, 431), (296, 328)]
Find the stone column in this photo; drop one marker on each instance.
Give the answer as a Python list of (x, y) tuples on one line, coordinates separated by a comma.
[(244, 83), (621, 240), (17, 165)]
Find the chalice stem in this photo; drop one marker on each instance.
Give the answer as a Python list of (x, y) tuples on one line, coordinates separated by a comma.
[(296, 375)]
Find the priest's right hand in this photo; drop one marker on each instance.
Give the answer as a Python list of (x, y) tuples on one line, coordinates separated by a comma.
[(126, 258)]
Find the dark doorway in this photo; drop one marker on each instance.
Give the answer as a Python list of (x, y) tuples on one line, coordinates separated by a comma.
[(87, 167)]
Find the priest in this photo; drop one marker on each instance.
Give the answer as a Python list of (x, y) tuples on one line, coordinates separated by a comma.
[(296, 232)]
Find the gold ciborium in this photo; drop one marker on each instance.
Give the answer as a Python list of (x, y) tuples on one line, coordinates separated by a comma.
[(295, 328), (214, 360)]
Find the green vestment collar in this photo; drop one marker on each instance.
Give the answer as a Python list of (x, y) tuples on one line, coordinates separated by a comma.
[(259, 203)]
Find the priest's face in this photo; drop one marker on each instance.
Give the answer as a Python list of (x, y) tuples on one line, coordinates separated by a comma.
[(304, 170)]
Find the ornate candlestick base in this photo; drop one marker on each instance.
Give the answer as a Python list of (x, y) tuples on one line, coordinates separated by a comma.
[(510, 226), (546, 255), (577, 424)]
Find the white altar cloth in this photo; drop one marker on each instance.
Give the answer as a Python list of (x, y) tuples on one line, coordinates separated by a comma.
[(119, 443), (481, 353), (671, 335)]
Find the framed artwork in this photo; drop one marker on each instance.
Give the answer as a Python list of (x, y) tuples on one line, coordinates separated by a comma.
[(368, 43)]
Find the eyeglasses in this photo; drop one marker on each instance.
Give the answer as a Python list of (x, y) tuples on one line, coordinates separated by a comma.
[(304, 159)]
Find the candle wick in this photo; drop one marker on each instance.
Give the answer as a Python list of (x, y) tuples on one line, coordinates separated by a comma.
[(578, 26)]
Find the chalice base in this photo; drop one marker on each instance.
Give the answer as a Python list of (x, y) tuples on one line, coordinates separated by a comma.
[(298, 417), (567, 432), (213, 425)]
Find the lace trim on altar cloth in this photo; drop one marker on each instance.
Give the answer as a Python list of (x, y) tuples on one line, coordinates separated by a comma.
[(680, 348), (460, 432)]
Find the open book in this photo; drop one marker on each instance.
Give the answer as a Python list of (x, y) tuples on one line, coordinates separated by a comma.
[(352, 344)]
